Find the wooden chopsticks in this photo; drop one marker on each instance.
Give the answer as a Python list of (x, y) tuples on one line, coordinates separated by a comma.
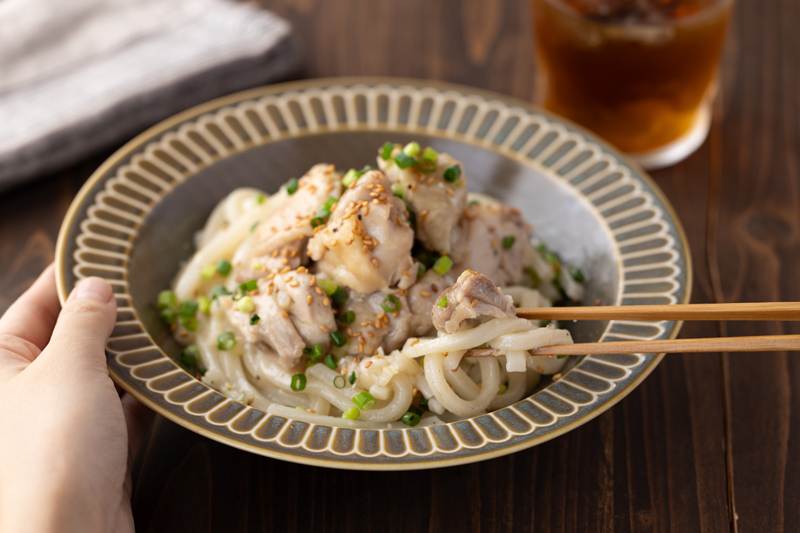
[(731, 311), (728, 311)]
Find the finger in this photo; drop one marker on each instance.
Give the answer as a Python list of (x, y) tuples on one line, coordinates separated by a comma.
[(138, 418), (33, 315), (85, 322)]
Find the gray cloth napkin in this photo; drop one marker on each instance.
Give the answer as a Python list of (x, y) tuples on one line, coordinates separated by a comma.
[(80, 75)]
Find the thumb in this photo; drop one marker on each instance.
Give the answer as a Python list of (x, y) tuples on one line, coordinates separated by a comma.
[(84, 325)]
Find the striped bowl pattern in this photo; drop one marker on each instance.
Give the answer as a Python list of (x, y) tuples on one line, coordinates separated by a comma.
[(653, 260)]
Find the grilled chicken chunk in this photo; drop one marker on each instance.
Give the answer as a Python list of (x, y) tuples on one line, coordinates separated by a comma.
[(424, 294), (281, 239), (366, 244), (471, 300), (437, 203), (309, 308), (373, 325), (497, 243)]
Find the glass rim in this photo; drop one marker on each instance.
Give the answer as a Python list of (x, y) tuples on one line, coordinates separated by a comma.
[(706, 12)]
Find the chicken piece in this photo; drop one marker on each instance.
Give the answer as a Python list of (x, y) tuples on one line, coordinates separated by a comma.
[(281, 239), (438, 204), (373, 326), (310, 310), (497, 242), (422, 295), (366, 244), (472, 300), (274, 328)]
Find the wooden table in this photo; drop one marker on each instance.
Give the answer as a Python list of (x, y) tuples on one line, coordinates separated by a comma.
[(703, 437)]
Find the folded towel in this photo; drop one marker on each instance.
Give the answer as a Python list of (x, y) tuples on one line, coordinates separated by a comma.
[(80, 75)]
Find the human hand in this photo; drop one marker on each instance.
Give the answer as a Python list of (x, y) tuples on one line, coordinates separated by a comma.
[(66, 436)]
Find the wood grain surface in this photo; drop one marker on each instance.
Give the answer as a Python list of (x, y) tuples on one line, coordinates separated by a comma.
[(703, 438)]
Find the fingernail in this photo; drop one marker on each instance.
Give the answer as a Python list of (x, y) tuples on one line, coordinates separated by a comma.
[(95, 288)]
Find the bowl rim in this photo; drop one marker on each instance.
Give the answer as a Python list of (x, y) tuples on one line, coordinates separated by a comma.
[(154, 132)]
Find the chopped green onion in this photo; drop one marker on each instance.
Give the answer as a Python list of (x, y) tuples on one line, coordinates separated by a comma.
[(423, 402), (364, 170), (403, 160), (330, 361), (350, 177), (338, 339), (348, 318), (187, 308), (415, 409), (386, 152), (452, 173), (202, 370), (420, 270), (533, 276), (576, 274), (351, 414), (208, 271), (327, 285), (442, 303), (226, 341), (169, 316), (339, 382), (508, 242), (203, 304), (411, 149), (260, 199), (224, 267), (250, 285), (219, 290), (391, 304), (364, 400), (429, 155), (315, 352), (502, 389), (442, 265), (167, 300), (397, 189), (246, 305), (190, 355), (291, 186), (320, 218), (352, 378), (298, 382), (426, 167), (410, 419), (254, 226), (473, 202), (189, 323), (255, 319), (339, 296), (561, 356), (544, 323), (329, 203)]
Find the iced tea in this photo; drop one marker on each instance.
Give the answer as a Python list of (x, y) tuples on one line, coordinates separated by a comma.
[(636, 72)]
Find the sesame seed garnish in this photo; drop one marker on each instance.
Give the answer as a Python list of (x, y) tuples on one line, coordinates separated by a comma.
[(309, 299), (401, 292), (474, 302), (302, 270), (431, 180), (326, 301), (375, 262), (284, 270), (294, 284), (426, 294), (324, 328), (183, 334), (319, 291), (284, 314), (312, 281), (275, 253), (376, 201), (405, 272), (284, 261), (371, 336), (414, 341), (368, 364), (366, 210), (413, 187), (450, 192)]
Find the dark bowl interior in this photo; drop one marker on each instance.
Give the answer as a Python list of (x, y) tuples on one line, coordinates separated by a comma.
[(567, 223)]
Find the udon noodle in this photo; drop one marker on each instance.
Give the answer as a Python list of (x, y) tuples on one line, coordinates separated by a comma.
[(328, 300)]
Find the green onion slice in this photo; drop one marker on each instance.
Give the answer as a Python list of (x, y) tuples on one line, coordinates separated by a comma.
[(386, 151), (189, 323), (442, 302), (404, 160), (429, 155), (423, 402), (508, 242), (315, 352), (473, 202), (442, 265), (350, 177), (576, 274), (338, 339), (254, 226), (169, 316), (208, 271), (167, 300), (223, 267), (410, 419), (397, 189), (411, 149), (330, 361), (298, 382), (219, 290), (352, 378), (391, 304), (255, 319), (190, 355), (291, 186), (260, 199), (347, 318), (226, 341), (203, 304), (364, 400), (187, 308), (452, 173), (339, 382), (327, 285), (351, 414)]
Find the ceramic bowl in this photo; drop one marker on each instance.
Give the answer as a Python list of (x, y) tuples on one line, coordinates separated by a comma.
[(133, 222)]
